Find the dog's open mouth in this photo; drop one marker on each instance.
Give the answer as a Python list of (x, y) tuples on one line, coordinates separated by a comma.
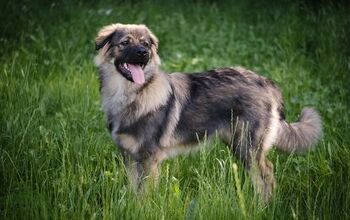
[(133, 72)]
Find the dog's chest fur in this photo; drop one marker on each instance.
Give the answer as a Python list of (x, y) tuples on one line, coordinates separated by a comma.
[(135, 114)]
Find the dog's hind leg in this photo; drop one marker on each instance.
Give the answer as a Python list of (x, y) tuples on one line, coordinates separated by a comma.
[(261, 172), (260, 169), (252, 155)]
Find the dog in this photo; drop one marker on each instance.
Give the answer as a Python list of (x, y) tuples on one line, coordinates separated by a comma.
[(153, 116)]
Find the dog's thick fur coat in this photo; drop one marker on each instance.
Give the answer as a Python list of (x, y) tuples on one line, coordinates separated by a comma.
[(167, 114)]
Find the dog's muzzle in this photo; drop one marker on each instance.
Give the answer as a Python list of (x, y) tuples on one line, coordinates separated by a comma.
[(132, 64)]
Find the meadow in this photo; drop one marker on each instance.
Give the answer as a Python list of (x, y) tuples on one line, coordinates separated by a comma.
[(57, 160)]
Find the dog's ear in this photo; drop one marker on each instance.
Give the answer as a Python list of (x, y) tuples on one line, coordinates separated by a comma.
[(154, 39), (105, 35), (154, 47)]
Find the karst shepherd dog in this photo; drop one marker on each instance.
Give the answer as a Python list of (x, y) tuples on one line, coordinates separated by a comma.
[(153, 116)]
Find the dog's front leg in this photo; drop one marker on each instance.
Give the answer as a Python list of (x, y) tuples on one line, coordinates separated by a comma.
[(144, 174), (152, 171), (134, 170)]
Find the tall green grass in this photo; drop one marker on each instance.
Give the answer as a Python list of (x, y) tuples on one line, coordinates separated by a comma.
[(57, 160)]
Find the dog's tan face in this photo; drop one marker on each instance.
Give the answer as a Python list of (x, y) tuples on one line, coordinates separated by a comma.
[(130, 47)]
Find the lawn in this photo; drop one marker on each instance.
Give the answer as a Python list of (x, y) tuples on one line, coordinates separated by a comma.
[(57, 160)]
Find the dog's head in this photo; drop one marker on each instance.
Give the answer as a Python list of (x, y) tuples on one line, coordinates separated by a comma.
[(132, 48)]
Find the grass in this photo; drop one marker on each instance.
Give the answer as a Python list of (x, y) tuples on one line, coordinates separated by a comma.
[(57, 160)]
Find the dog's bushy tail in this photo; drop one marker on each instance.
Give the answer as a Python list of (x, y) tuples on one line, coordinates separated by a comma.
[(302, 135)]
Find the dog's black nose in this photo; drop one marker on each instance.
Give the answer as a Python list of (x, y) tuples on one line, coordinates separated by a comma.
[(142, 52)]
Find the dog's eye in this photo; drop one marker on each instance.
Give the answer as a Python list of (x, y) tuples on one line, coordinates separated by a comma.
[(145, 43), (125, 42)]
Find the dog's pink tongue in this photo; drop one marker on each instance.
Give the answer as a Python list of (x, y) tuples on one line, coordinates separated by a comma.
[(137, 73)]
